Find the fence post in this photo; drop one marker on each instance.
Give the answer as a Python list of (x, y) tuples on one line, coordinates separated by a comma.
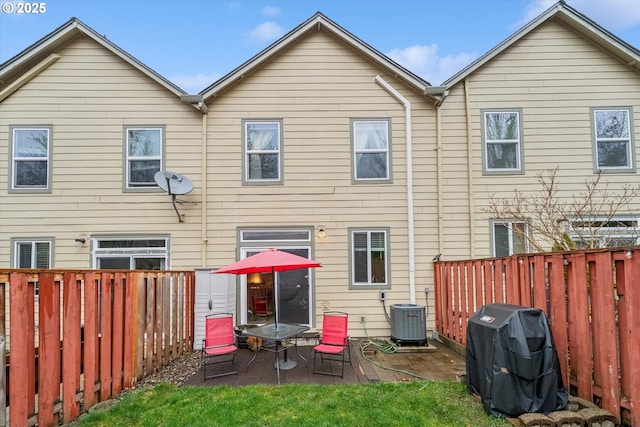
[(117, 334), (580, 339), (603, 315), (629, 312), (3, 358), (71, 347), (19, 372), (49, 348), (91, 341), (105, 336)]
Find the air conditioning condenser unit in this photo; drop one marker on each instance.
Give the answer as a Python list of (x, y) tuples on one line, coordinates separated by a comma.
[(408, 324)]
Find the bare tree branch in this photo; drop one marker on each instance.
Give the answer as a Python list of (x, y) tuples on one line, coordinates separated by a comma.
[(581, 221)]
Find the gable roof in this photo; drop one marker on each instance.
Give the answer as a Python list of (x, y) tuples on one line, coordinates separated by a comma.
[(321, 22), (18, 70), (570, 17)]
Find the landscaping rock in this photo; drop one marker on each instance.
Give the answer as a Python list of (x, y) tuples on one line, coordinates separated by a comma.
[(536, 420), (597, 417), (576, 403), (568, 419)]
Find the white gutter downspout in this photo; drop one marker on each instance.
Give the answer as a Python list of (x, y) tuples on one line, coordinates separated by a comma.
[(197, 102), (410, 231), (467, 109), (203, 212), (439, 177)]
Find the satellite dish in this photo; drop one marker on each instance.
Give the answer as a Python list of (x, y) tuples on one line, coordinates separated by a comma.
[(173, 183)]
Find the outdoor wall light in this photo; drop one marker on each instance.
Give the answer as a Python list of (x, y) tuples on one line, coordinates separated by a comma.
[(628, 254), (80, 241), (321, 233)]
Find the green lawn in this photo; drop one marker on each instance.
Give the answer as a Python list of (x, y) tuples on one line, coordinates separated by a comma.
[(441, 404)]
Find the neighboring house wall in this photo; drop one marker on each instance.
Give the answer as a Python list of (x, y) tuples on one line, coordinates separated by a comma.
[(554, 77), (87, 98), (315, 88)]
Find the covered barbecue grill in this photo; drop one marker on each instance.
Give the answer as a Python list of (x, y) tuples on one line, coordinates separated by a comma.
[(512, 362)]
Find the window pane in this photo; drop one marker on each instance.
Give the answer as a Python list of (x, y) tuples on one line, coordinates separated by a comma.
[(114, 263), (373, 165), (378, 259), (371, 149), (360, 258), (360, 267), (620, 241), (31, 143), (501, 240), (613, 154), (262, 136), (360, 241), (501, 126), (369, 257), (31, 173), (263, 166), (24, 255), (42, 255), (502, 156), (149, 263), (26, 258), (144, 142), (377, 241), (142, 243), (150, 253), (143, 171), (612, 124), (274, 235), (519, 240), (370, 135)]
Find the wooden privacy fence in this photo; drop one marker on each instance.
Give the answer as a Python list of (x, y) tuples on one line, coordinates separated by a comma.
[(592, 301), (71, 339)]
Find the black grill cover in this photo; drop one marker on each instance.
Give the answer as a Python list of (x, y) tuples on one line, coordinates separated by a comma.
[(512, 362)]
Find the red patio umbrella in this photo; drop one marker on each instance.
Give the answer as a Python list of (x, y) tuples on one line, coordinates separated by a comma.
[(269, 261)]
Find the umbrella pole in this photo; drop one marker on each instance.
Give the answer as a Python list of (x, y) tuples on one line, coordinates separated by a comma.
[(275, 296)]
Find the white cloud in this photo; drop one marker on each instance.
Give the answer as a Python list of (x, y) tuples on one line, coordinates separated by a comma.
[(266, 32), (270, 10), (613, 15), (425, 61), (195, 83)]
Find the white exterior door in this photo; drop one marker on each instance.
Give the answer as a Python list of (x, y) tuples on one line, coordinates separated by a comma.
[(215, 293)]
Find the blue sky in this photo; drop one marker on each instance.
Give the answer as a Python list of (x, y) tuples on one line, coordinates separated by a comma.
[(195, 42)]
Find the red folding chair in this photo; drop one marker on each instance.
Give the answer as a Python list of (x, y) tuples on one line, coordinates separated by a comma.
[(334, 344), (219, 343), (260, 307)]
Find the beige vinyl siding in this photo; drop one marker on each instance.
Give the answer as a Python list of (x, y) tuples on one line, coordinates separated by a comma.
[(555, 77), (316, 88), (88, 96)]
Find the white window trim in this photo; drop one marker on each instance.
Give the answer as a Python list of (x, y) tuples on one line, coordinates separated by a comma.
[(127, 186), (355, 152), (13, 160), (631, 167), (486, 170), (509, 225), (131, 252), (607, 233), (17, 241), (246, 180), (369, 285), (258, 244)]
